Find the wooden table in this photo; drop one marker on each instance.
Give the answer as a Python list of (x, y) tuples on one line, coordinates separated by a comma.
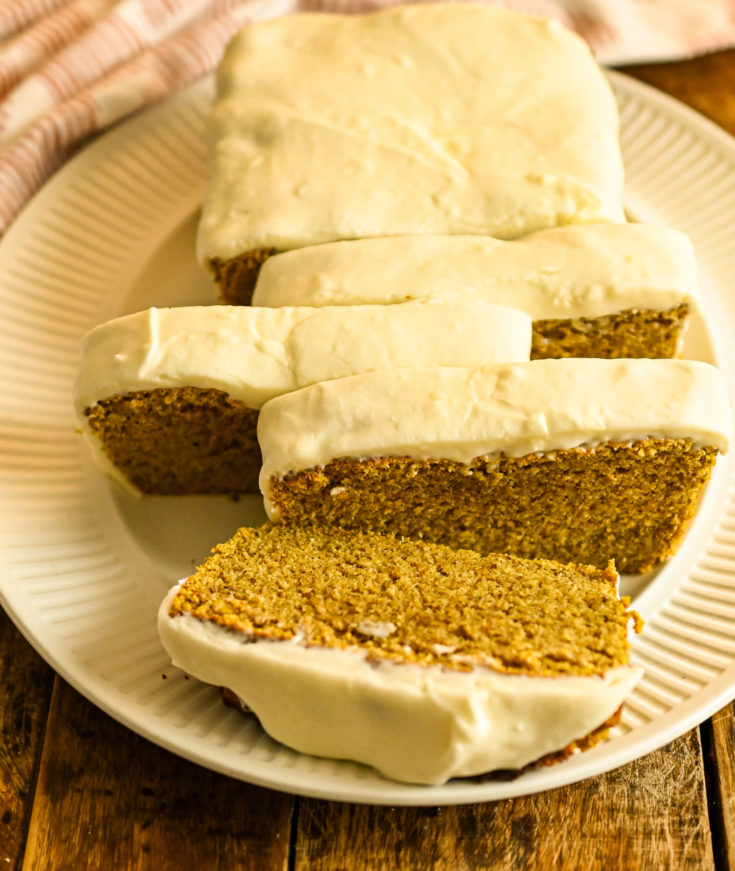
[(77, 790)]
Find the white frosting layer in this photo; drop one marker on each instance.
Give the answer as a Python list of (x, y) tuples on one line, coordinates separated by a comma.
[(254, 354), (565, 272), (515, 408), (436, 118), (412, 723)]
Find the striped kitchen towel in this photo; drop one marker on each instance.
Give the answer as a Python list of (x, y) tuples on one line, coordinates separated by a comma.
[(127, 60)]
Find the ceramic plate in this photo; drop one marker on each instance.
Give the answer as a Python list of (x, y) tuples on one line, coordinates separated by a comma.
[(83, 566)]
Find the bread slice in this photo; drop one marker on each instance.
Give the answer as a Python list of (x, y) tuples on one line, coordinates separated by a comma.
[(600, 290), (422, 661), (168, 399), (431, 118), (580, 460)]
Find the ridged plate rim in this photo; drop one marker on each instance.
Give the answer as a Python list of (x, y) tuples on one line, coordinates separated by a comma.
[(68, 561)]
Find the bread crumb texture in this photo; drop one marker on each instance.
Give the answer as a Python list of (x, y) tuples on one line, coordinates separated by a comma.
[(236, 278), (629, 502), (411, 601), (629, 333), (173, 441)]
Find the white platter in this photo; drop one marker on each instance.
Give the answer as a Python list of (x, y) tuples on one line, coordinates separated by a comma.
[(83, 566)]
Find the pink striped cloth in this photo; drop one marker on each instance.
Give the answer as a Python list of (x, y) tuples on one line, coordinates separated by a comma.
[(69, 68)]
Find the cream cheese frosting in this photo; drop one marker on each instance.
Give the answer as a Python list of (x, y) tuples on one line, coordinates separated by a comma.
[(436, 118), (254, 354), (413, 723), (516, 408), (564, 272)]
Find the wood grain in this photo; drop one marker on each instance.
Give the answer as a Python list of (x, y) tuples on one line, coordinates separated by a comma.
[(24, 700), (108, 799), (721, 764), (651, 814)]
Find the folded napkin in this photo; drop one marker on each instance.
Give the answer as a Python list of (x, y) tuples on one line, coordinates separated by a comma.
[(70, 68)]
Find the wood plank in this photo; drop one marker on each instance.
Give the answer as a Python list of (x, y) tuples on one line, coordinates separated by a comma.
[(107, 798), (722, 785), (26, 684), (650, 814), (704, 83)]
